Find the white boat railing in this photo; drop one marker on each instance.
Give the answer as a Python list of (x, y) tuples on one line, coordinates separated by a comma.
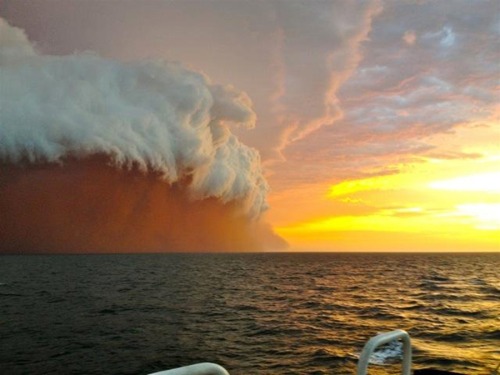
[(205, 368), (381, 339), (208, 368)]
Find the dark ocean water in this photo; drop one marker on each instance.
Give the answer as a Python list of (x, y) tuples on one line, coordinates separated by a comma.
[(252, 313)]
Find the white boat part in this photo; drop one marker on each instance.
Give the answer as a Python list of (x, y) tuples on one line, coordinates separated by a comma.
[(208, 368), (382, 339), (205, 368)]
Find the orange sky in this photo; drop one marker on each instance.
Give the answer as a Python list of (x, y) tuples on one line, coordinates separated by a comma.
[(429, 205), (378, 124)]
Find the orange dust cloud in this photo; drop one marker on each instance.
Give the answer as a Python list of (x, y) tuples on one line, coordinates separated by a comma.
[(89, 206)]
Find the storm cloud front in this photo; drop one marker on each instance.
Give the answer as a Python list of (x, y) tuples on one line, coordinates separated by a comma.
[(104, 156)]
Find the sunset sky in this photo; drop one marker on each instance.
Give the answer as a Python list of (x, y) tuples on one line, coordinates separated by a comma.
[(377, 122)]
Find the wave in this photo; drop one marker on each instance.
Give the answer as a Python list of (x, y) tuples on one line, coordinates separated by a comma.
[(324, 355), (387, 354)]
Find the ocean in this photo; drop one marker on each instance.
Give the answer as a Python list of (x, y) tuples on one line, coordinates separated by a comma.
[(265, 313)]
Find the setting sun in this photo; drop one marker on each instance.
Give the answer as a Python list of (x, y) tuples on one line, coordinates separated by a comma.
[(482, 182), (409, 210)]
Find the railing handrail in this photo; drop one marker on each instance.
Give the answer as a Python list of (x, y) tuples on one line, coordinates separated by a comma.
[(382, 339), (208, 368), (205, 368)]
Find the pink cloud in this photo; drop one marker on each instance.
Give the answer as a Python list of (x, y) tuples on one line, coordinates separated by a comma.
[(386, 75)]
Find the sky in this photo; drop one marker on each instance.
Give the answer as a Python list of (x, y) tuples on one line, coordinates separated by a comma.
[(376, 123)]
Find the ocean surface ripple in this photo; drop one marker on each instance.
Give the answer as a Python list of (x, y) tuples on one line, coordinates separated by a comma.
[(264, 313)]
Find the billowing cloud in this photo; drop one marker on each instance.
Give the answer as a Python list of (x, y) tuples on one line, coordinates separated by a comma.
[(80, 133), (404, 84), (291, 57)]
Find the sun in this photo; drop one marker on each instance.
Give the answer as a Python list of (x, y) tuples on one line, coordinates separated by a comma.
[(486, 215), (482, 182)]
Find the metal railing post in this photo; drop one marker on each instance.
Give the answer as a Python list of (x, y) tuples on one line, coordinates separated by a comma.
[(382, 339)]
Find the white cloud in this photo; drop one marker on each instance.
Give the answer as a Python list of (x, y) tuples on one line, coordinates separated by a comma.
[(157, 116)]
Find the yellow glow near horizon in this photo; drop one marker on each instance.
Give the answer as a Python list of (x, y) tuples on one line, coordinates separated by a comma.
[(445, 205), (445, 200)]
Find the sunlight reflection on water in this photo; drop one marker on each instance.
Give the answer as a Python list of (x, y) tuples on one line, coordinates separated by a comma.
[(252, 313)]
